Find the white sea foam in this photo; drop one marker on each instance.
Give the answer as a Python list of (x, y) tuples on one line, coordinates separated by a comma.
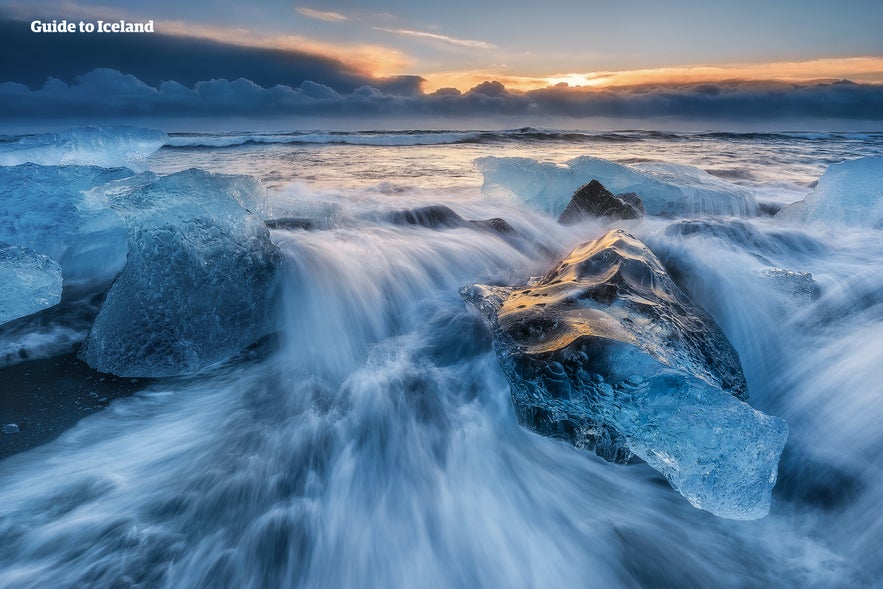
[(376, 444)]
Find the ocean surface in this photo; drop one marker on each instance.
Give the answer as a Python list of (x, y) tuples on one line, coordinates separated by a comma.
[(370, 440)]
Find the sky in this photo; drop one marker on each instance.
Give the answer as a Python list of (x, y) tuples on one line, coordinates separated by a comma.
[(680, 59)]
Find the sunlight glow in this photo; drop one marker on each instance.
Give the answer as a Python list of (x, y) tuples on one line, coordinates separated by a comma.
[(857, 69)]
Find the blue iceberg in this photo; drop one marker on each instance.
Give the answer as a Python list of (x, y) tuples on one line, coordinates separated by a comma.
[(200, 278), (29, 282), (606, 352), (47, 209), (849, 193), (664, 188)]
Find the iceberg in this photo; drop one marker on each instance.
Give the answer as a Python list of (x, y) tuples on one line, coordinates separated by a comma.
[(46, 210), (200, 278), (848, 193), (664, 188), (29, 282), (606, 352), (108, 147)]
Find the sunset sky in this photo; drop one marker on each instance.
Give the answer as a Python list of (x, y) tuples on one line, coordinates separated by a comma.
[(401, 48)]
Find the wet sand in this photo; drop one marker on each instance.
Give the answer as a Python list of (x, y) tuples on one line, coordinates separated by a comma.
[(47, 396)]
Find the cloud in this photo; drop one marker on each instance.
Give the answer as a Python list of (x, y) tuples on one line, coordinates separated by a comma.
[(31, 59), (858, 69), (106, 94), (437, 37), (325, 15)]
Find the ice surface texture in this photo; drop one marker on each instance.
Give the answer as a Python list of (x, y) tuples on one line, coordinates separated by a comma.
[(664, 188), (848, 193), (606, 352), (199, 280), (46, 210), (108, 147), (29, 282)]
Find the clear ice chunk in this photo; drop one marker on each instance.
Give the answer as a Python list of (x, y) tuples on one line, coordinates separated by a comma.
[(848, 193), (200, 278), (46, 210), (664, 188), (606, 352), (29, 282)]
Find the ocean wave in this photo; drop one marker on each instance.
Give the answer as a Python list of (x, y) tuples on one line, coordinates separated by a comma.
[(791, 136), (391, 139), (410, 138)]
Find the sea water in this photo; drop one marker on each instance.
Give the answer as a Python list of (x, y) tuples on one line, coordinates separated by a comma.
[(371, 442)]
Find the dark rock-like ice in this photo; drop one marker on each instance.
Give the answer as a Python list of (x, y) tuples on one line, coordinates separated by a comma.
[(606, 352), (593, 200), (29, 282), (443, 217), (200, 277)]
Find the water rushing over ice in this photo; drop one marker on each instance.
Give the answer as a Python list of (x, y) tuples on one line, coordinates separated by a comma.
[(372, 443)]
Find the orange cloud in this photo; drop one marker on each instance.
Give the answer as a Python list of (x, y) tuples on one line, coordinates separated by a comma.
[(367, 59), (858, 69)]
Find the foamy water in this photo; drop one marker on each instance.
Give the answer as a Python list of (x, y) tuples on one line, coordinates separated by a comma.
[(372, 443)]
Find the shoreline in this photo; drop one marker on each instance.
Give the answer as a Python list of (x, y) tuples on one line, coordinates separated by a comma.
[(48, 396)]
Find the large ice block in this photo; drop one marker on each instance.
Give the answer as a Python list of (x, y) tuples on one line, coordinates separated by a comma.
[(45, 209), (606, 352), (199, 281), (848, 193), (664, 188)]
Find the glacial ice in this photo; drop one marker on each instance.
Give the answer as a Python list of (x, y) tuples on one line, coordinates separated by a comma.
[(794, 290), (108, 147), (200, 277), (665, 188), (848, 193), (46, 210), (606, 352), (29, 282)]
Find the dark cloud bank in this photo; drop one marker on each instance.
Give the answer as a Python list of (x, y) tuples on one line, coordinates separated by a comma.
[(106, 93), (140, 78), (30, 59)]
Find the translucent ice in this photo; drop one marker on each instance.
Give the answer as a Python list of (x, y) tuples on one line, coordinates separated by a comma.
[(199, 280), (45, 209), (665, 188), (29, 282), (108, 147), (606, 352), (848, 193)]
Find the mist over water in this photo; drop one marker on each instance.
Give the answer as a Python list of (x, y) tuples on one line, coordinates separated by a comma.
[(371, 441)]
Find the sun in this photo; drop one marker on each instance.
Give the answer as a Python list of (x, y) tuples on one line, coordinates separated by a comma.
[(589, 79)]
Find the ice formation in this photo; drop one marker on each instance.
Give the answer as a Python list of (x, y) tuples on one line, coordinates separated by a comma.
[(848, 193), (665, 188), (108, 147), (46, 210), (199, 280), (29, 282), (606, 352)]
